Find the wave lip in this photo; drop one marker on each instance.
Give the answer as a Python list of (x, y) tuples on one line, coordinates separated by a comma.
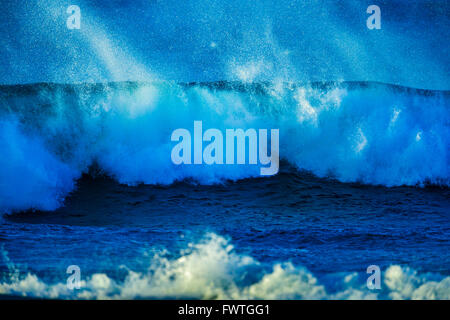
[(370, 133)]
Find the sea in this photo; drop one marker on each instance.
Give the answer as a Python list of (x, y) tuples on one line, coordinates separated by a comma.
[(87, 184)]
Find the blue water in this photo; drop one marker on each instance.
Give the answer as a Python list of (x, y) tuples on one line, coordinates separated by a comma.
[(86, 177), (87, 180)]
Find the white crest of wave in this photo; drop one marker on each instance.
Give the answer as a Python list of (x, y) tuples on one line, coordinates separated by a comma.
[(371, 135)]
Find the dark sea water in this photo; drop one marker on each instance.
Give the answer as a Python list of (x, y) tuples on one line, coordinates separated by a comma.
[(325, 226), (88, 182)]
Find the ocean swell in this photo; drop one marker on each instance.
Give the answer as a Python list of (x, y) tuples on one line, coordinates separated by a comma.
[(353, 132)]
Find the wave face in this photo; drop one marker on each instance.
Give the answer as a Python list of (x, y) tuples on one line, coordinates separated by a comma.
[(353, 132), (211, 269)]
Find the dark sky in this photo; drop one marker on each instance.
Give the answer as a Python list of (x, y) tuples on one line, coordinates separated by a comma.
[(187, 40)]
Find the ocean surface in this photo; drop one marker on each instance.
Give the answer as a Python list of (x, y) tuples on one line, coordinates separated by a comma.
[(86, 179)]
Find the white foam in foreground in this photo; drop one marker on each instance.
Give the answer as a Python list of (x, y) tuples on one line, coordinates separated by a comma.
[(211, 269)]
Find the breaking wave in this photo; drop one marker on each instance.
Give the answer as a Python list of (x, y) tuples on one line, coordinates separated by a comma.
[(353, 132), (212, 269)]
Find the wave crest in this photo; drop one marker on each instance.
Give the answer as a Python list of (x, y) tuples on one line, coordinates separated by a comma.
[(354, 132)]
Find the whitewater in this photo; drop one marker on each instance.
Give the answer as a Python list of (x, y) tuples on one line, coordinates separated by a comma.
[(370, 133), (212, 269), (87, 170)]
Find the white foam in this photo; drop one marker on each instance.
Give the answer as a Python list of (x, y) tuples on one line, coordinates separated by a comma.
[(212, 269), (372, 136)]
